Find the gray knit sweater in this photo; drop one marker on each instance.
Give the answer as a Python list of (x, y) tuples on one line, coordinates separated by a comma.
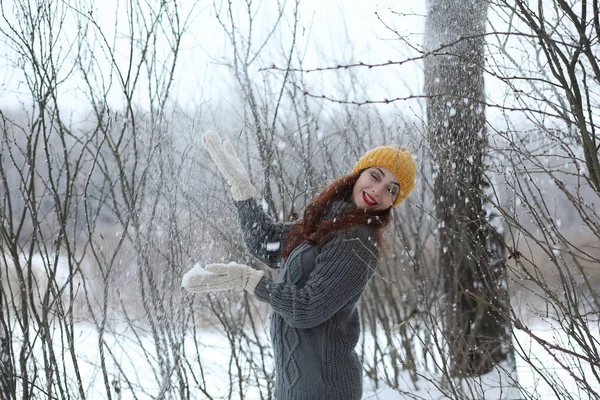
[(315, 323)]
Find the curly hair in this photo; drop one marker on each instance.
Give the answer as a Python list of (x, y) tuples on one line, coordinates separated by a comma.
[(313, 228)]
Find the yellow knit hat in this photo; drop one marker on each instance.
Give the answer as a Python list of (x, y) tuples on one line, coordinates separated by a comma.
[(397, 160)]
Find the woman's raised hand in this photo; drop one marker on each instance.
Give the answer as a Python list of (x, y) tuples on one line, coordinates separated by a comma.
[(224, 156)]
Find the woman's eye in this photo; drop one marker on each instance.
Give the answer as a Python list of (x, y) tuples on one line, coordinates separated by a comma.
[(374, 175)]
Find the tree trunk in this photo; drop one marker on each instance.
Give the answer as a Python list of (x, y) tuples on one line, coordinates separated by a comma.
[(471, 255), (6, 368)]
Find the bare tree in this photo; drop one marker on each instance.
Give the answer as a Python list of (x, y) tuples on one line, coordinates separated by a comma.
[(548, 187), (471, 254), (7, 373), (68, 181), (563, 36)]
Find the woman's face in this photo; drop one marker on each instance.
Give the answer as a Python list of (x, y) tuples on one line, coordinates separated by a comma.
[(375, 190)]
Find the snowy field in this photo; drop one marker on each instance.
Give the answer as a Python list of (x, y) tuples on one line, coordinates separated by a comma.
[(132, 356)]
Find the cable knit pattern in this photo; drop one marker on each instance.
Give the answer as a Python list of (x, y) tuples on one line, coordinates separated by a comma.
[(315, 323), (264, 238)]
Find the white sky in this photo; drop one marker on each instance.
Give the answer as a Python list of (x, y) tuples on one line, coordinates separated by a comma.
[(333, 32)]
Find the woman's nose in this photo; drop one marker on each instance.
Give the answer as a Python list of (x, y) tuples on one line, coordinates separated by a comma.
[(378, 190)]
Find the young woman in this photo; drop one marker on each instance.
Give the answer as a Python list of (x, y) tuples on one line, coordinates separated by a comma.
[(326, 260)]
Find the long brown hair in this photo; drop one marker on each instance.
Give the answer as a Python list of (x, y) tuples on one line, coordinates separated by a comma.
[(314, 228)]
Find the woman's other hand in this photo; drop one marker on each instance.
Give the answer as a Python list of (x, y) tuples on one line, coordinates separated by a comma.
[(221, 277)]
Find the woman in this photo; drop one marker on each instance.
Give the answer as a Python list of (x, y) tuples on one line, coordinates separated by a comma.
[(326, 259)]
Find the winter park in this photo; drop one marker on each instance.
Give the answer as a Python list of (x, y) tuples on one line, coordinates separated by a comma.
[(300, 199)]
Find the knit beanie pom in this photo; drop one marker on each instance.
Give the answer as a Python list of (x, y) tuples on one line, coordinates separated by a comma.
[(397, 160)]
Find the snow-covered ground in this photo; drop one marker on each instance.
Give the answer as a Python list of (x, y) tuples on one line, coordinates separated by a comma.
[(134, 371), (131, 354)]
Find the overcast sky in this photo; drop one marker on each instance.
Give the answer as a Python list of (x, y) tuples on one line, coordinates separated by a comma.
[(331, 32)]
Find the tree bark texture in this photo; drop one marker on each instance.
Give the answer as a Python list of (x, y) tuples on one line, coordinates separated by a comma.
[(471, 255), (7, 375)]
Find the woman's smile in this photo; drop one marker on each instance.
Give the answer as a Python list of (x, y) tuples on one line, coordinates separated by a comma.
[(369, 200)]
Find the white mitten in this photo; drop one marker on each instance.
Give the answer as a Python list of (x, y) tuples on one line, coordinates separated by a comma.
[(221, 277), (224, 156)]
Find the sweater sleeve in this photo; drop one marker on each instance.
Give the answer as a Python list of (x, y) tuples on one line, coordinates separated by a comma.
[(263, 237), (342, 271)]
